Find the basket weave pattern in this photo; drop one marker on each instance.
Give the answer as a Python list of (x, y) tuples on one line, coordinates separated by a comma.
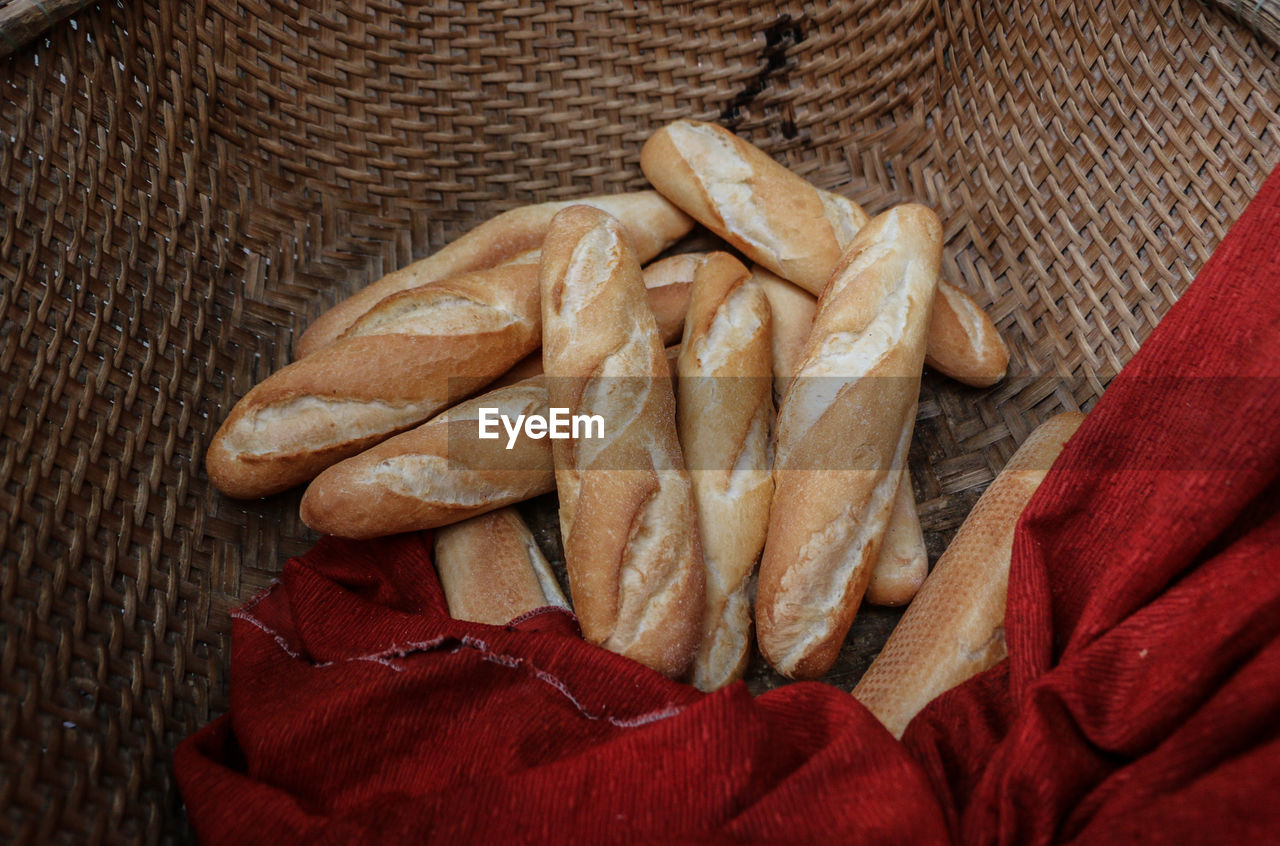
[(183, 187)]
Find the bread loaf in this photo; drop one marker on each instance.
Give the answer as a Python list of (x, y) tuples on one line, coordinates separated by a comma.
[(903, 561), (442, 471), (492, 570), (652, 222), (954, 628), (775, 217), (416, 353), (438, 473), (626, 511), (725, 417), (963, 342), (843, 432), (782, 222), (792, 311)]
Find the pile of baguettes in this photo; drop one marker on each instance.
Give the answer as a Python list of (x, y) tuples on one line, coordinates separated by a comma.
[(665, 517)]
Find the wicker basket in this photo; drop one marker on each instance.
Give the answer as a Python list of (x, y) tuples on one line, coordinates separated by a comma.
[(183, 186)]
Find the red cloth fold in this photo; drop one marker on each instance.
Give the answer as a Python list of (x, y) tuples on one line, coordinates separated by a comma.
[(1140, 701), (360, 711)]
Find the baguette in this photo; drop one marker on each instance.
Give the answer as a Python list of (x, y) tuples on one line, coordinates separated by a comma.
[(843, 433), (668, 284), (415, 353), (798, 231), (774, 216), (792, 310), (725, 418), (903, 562), (955, 627), (652, 222), (439, 473), (626, 511), (492, 570), (963, 342)]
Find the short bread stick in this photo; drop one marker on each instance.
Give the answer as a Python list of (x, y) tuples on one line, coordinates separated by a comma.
[(492, 570), (438, 473), (903, 561), (416, 353)]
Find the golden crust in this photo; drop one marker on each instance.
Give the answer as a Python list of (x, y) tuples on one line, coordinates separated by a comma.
[(626, 515), (736, 190), (365, 388), (963, 342), (843, 433), (725, 416), (386, 490), (903, 563), (792, 311), (954, 628), (492, 570), (654, 224)]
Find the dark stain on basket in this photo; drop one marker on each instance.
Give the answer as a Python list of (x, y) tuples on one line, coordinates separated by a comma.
[(775, 65)]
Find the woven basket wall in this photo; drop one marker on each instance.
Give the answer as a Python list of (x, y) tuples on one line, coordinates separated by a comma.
[(183, 186)]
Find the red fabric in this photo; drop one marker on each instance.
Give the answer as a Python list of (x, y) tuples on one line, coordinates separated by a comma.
[(1140, 701), (360, 711)]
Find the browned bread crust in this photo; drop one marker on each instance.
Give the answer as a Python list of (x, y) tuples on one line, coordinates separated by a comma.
[(843, 432), (626, 510), (439, 473), (492, 570), (416, 353), (903, 562), (725, 416), (653, 223), (954, 628)]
